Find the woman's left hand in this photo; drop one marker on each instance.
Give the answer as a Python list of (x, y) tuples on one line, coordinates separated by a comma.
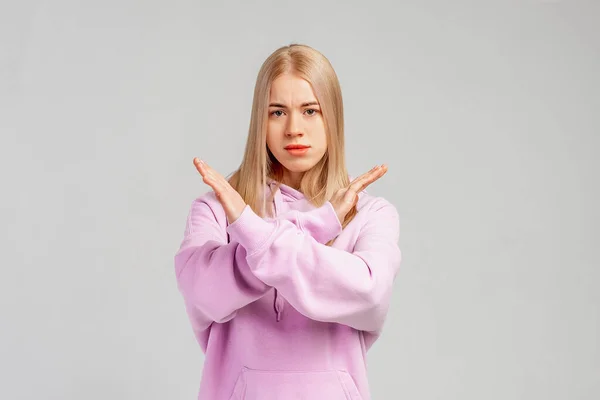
[(230, 199)]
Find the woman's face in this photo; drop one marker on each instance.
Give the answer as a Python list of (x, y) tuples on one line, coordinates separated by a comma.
[(296, 130)]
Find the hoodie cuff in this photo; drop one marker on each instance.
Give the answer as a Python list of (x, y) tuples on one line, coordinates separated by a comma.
[(251, 231), (322, 223)]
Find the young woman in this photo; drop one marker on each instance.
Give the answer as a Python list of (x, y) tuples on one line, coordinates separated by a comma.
[(287, 267)]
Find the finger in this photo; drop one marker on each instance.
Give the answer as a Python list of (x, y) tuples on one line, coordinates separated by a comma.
[(356, 184), (200, 166), (364, 175), (365, 179), (375, 175), (207, 172), (368, 178), (208, 175), (350, 197), (216, 181), (213, 174)]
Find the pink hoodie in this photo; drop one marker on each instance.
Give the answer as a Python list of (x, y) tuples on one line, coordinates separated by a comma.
[(277, 313)]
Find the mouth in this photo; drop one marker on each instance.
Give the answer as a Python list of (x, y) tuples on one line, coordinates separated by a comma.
[(296, 147), (297, 150)]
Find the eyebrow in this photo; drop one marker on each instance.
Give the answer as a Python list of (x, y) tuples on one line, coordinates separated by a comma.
[(309, 103)]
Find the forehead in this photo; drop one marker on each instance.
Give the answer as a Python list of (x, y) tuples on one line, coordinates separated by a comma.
[(291, 89)]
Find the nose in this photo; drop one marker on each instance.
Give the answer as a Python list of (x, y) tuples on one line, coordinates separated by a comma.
[(294, 128)]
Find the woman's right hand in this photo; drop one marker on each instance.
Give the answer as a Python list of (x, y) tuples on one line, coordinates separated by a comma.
[(230, 199), (344, 199)]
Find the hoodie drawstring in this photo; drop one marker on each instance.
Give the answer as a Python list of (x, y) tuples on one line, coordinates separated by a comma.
[(278, 303)]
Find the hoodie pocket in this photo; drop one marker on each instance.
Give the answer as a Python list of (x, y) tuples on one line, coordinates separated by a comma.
[(255, 384)]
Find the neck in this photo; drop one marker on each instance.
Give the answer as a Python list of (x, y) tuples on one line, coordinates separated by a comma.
[(292, 179)]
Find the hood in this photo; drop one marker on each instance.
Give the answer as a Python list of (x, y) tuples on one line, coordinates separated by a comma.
[(287, 193)]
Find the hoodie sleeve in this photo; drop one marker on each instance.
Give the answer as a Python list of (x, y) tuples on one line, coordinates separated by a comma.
[(316, 223), (212, 272), (325, 283)]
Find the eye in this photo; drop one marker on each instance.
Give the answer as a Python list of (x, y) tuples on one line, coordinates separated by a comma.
[(312, 111), (275, 113)]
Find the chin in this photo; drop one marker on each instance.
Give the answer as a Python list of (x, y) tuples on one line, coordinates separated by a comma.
[(299, 166)]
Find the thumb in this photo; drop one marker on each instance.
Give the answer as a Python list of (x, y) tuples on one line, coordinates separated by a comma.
[(350, 197)]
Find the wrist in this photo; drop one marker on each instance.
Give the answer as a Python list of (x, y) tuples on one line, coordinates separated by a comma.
[(233, 215)]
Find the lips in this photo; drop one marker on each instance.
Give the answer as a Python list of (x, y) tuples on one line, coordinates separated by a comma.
[(296, 147)]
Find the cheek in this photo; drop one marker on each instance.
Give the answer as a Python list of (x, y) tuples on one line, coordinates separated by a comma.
[(322, 137), (271, 135), (273, 130)]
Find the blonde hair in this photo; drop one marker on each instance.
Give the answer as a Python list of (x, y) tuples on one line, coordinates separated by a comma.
[(330, 174)]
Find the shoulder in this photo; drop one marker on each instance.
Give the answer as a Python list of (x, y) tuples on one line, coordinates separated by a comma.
[(370, 206), (209, 198), (376, 223), (377, 216), (206, 209)]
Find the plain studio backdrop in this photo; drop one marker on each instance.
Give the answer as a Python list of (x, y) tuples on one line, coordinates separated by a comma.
[(486, 112)]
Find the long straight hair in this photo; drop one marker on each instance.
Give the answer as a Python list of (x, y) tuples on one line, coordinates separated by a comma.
[(259, 165)]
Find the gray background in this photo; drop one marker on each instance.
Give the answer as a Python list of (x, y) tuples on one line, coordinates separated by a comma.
[(486, 112)]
